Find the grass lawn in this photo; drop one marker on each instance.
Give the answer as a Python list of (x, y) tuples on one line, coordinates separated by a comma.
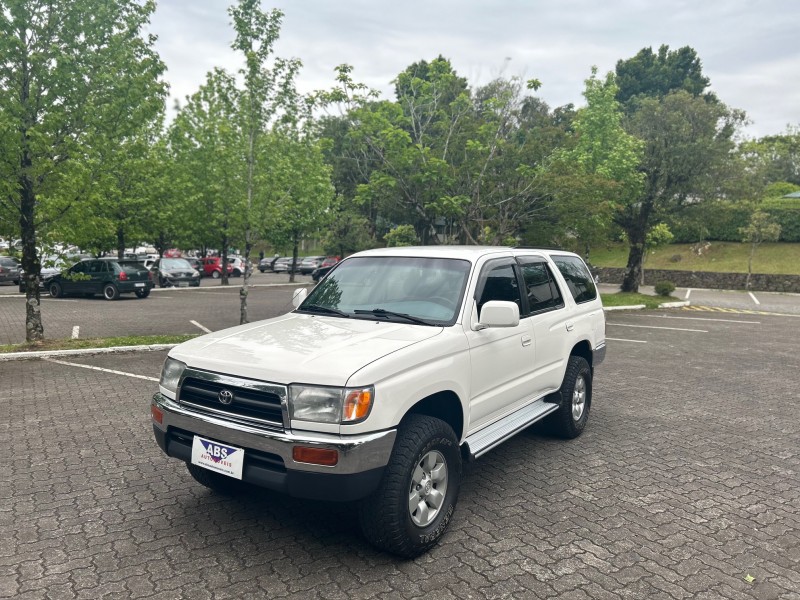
[(131, 340), (630, 299), (720, 257)]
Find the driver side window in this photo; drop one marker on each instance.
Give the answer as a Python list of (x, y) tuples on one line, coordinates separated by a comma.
[(499, 283)]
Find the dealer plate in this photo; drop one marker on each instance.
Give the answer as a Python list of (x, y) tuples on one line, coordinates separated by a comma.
[(217, 457)]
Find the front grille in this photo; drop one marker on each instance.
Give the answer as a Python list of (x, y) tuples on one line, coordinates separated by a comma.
[(255, 406)]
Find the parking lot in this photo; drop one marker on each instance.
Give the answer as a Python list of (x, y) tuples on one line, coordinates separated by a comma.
[(684, 485)]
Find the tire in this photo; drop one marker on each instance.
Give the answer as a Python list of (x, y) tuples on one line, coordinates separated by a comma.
[(110, 292), (216, 274), (222, 484), (142, 293), (237, 273), (426, 454), (570, 419), (55, 290), (161, 282)]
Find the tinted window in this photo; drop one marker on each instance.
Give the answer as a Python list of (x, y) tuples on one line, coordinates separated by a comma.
[(500, 283), (79, 268), (579, 280), (540, 287)]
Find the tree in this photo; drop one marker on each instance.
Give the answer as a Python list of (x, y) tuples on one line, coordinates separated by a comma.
[(760, 229), (688, 138), (402, 235), (598, 172), (69, 84)]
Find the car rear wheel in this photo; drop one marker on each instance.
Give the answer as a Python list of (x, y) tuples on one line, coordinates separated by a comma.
[(216, 274), (55, 290), (570, 419), (142, 293), (110, 292)]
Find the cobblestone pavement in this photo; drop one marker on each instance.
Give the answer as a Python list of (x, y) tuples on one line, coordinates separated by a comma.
[(684, 485)]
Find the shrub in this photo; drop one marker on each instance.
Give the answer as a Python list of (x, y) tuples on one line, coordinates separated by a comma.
[(665, 288)]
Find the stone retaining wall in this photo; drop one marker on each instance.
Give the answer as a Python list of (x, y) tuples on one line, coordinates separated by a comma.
[(706, 279)]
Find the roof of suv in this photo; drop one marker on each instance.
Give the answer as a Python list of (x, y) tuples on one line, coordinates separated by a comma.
[(464, 252)]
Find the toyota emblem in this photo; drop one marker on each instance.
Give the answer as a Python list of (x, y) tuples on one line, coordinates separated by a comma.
[(225, 397)]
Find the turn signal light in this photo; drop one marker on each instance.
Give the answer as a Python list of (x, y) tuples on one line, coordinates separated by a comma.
[(158, 416), (356, 405), (316, 456)]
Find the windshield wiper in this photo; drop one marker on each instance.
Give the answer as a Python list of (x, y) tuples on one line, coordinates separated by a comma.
[(317, 308), (382, 312)]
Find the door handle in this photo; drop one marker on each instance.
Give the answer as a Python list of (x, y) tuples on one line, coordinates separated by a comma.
[(570, 325), (526, 340)]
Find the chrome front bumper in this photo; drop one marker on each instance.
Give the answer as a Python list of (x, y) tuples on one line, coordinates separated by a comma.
[(357, 454)]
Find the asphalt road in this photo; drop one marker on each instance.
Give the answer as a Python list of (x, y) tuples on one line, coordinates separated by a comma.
[(685, 484)]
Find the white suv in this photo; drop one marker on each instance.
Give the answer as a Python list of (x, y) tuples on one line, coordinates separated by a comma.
[(399, 365)]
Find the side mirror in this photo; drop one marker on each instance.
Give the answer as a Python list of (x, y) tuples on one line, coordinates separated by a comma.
[(498, 313), (298, 296)]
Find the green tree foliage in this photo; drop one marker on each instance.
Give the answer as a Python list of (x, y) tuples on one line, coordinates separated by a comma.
[(688, 137), (654, 75), (76, 78), (774, 158), (402, 235), (598, 172)]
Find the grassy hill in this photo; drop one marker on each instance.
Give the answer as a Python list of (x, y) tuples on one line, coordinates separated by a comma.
[(727, 257)]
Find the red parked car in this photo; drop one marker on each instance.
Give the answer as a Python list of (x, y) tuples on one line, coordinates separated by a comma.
[(212, 267)]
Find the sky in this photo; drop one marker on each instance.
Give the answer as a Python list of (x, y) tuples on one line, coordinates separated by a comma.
[(750, 49)]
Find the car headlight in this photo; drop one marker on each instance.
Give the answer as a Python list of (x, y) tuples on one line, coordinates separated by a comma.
[(329, 404), (171, 374)]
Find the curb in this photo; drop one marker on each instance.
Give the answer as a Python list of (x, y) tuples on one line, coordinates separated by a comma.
[(9, 356), (674, 304), (631, 307)]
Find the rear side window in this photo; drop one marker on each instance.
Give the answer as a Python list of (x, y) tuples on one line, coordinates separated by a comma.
[(540, 286), (579, 280)]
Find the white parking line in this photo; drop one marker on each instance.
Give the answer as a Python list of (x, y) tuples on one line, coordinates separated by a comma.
[(76, 331), (622, 340), (697, 319), (196, 324), (688, 292), (70, 364), (753, 296), (654, 327)]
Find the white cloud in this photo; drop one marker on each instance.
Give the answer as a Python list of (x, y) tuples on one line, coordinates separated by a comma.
[(748, 49)]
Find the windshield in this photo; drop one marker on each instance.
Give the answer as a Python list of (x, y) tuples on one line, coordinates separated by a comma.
[(429, 289), (175, 263)]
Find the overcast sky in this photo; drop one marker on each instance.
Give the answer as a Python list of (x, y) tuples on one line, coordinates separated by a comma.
[(749, 48)]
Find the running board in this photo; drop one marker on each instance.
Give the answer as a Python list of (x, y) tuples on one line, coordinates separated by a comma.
[(495, 434)]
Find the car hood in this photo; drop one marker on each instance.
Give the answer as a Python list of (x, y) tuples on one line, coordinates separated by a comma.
[(298, 348)]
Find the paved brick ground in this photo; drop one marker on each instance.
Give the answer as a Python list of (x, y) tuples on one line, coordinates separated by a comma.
[(683, 485)]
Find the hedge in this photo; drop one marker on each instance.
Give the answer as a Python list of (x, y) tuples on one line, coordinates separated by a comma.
[(720, 221)]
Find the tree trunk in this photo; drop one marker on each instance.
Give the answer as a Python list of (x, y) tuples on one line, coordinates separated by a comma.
[(120, 242), (295, 236), (34, 330), (224, 256), (750, 265), (245, 289), (630, 282)]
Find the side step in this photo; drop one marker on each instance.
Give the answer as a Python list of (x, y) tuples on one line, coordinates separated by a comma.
[(495, 434)]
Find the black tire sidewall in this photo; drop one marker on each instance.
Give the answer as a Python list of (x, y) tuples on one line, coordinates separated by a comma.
[(113, 296), (425, 537), (566, 425), (55, 286)]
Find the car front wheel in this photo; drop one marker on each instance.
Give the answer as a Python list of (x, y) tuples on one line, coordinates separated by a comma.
[(416, 499), (110, 292)]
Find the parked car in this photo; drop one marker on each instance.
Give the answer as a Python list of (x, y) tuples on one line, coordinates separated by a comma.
[(309, 263), (110, 277), (176, 272), (212, 267), (195, 264), (267, 264), (282, 265), (56, 265), (324, 268), (239, 265), (173, 253), (9, 270)]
